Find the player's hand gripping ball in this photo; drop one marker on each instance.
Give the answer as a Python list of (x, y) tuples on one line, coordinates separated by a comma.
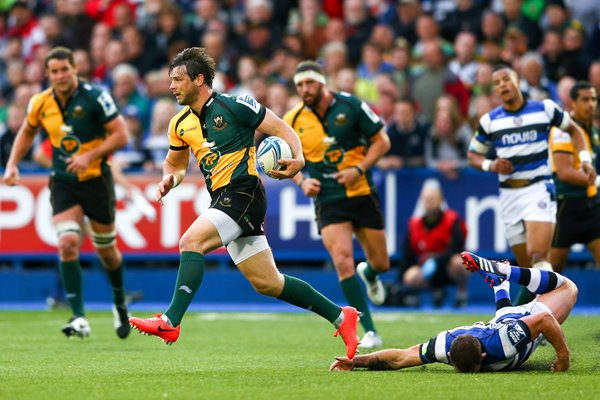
[(270, 151)]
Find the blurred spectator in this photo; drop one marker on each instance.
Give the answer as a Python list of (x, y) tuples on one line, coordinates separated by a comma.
[(114, 55), (428, 30), (371, 64), (577, 61), (169, 30), (466, 17), (156, 144), (464, 65), (205, 12), (246, 71), (492, 27), (359, 25), (8, 132), (258, 42), (77, 26), (139, 52), (23, 24), (439, 9), (15, 75), (480, 105), (431, 250), (345, 81), (35, 73), (158, 84), (407, 138), (483, 80), (277, 99), (594, 75), (563, 90), (215, 43), (53, 30), (552, 52), (403, 19), (385, 107), (555, 16), (447, 148), (533, 83), (335, 57), (588, 12), (402, 73), (515, 45), (435, 80), (335, 31), (513, 15), (108, 12), (310, 23), (125, 91), (383, 36)]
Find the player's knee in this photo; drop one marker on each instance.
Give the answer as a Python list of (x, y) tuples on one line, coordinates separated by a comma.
[(267, 287), (188, 243), (68, 247), (110, 257)]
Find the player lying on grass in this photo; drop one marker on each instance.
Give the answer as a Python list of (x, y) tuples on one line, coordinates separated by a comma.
[(506, 341)]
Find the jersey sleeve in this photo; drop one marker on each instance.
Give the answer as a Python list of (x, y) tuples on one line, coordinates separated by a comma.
[(175, 140), (247, 109), (514, 337), (481, 141), (33, 111), (558, 117), (560, 141), (369, 122), (107, 108), (435, 350)]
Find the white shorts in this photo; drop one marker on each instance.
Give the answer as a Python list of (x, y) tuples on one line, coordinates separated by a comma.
[(531, 203), (518, 312), (239, 248)]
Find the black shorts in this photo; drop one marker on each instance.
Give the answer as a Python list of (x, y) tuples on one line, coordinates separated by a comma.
[(362, 211), (577, 221), (245, 201), (96, 196)]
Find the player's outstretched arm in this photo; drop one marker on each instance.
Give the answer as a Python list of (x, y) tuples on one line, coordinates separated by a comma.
[(21, 145), (577, 137), (390, 359), (545, 323)]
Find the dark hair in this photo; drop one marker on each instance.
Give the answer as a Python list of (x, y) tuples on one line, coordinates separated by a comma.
[(197, 62), (500, 66), (309, 65), (579, 85), (465, 353), (60, 53)]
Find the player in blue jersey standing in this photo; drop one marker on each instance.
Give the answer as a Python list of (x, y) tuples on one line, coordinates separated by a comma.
[(518, 133), (506, 341)]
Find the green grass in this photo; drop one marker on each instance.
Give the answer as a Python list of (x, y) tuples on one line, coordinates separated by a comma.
[(265, 356)]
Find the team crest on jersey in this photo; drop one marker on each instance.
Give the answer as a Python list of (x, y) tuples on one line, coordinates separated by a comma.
[(78, 111), (341, 119), (69, 144), (542, 205), (210, 160), (220, 123), (518, 121), (333, 155)]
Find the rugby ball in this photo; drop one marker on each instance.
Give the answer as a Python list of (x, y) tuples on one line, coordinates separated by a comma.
[(270, 151)]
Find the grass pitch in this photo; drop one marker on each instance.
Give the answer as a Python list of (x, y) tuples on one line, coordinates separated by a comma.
[(265, 356)]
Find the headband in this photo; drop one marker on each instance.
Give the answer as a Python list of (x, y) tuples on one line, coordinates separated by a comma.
[(309, 74)]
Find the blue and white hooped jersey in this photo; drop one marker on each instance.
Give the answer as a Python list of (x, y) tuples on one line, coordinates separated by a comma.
[(522, 137), (506, 342)]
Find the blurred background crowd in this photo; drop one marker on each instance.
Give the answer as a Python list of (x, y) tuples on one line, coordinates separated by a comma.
[(424, 66)]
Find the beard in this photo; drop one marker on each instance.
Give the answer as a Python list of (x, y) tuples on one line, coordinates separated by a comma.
[(311, 100)]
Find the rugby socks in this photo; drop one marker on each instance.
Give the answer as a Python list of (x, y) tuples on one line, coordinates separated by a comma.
[(70, 272), (115, 277), (370, 273), (502, 295), (353, 292), (537, 280), (189, 278), (301, 294)]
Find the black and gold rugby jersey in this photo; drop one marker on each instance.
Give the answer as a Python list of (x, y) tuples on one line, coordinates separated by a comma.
[(336, 142), (560, 142), (75, 128), (221, 137)]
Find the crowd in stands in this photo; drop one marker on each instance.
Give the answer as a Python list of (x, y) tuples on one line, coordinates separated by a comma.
[(424, 66)]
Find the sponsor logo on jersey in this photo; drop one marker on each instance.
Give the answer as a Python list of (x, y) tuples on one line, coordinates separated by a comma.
[(333, 155), (210, 160), (515, 334), (220, 123), (518, 121), (519, 137), (542, 205), (69, 145)]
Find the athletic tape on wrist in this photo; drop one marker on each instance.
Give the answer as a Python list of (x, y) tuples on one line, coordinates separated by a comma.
[(486, 164)]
